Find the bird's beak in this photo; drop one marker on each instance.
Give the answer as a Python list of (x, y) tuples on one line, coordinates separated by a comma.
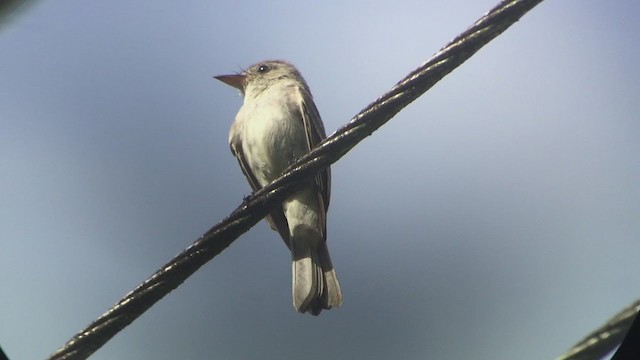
[(235, 80)]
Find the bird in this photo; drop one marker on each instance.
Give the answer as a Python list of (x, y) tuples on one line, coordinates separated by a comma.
[(277, 124)]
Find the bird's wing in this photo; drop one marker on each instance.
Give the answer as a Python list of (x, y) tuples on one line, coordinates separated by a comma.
[(315, 133), (276, 219)]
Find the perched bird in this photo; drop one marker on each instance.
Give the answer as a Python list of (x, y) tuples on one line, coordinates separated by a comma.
[(277, 124)]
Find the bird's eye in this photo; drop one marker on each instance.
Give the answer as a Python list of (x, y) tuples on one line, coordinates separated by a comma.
[(263, 69)]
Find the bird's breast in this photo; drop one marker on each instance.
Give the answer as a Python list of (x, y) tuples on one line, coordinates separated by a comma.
[(273, 136)]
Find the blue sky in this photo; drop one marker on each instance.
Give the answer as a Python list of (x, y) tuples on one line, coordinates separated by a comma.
[(495, 217)]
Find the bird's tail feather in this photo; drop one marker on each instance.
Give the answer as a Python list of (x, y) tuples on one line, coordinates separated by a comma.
[(314, 282)]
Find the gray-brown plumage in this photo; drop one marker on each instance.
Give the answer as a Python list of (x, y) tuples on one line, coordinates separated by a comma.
[(277, 124)]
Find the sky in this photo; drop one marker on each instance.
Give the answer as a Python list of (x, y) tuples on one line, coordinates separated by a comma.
[(495, 217)]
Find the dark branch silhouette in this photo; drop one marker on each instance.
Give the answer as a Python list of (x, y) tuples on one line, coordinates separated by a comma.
[(9, 9), (255, 207), (3, 356)]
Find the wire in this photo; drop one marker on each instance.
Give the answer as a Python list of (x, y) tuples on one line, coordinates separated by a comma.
[(603, 340)]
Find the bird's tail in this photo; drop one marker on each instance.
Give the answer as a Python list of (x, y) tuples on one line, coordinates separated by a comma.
[(314, 282)]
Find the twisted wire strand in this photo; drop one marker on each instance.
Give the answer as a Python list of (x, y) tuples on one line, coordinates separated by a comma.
[(604, 339)]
